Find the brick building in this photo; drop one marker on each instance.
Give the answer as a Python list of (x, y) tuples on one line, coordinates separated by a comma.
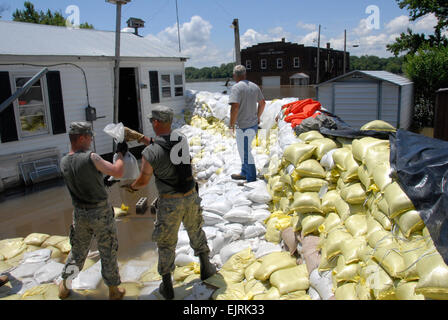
[(285, 63)]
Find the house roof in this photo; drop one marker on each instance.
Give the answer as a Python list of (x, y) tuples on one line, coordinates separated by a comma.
[(29, 39), (299, 76), (379, 75)]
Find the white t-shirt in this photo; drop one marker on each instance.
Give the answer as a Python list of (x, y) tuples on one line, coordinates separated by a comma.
[(247, 94)]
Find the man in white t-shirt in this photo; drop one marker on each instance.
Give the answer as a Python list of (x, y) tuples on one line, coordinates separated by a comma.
[(247, 105)]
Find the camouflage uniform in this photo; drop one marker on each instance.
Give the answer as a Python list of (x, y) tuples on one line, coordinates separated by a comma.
[(87, 223), (170, 214)]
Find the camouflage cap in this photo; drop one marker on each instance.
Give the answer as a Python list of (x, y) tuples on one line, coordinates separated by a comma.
[(162, 114), (80, 127)]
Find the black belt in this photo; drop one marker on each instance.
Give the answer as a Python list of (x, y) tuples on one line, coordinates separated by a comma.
[(91, 206)]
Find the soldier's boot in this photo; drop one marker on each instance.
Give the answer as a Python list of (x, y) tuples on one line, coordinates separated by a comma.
[(64, 292), (116, 293), (207, 268), (166, 287)]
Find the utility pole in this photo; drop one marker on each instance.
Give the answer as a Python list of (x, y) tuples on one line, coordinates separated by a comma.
[(345, 51), (318, 57), (236, 29), (118, 3), (178, 30)]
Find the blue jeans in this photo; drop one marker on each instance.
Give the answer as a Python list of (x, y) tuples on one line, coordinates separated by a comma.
[(244, 139)]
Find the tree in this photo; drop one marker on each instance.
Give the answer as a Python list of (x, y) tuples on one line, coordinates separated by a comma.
[(29, 14), (222, 72), (410, 42)]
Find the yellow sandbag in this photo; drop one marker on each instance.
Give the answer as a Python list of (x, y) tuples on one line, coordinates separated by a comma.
[(311, 223), (323, 146), (249, 272), (309, 184), (334, 241), (284, 204), (352, 249), (326, 264), (378, 125), (356, 224), (53, 241), (64, 246), (331, 221), (339, 157), (409, 222), (361, 146), (342, 209), (406, 291), (290, 279), (132, 290), (381, 175), (151, 275), (354, 194), (296, 221), (364, 177), (310, 168), (377, 279), (380, 238), (433, 274), (346, 272), (255, 287), (272, 233), (233, 269), (310, 136), (373, 226), (47, 291), (346, 291), (376, 155), (397, 200), (382, 218), (10, 248), (287, 179), (383, 206), (36, 239), (351, 169), (271, 294), (412, 251), (296, 295), (363, 291), (298, 152), (391, 260), (180, 273), (306, 202), (234, 291), (273, 262), (329, 201), (366, 253)]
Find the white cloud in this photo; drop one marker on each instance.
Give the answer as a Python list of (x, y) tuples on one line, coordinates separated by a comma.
[(252, 37), (398, 24), (363, 28), (306, 26), (426, 23)]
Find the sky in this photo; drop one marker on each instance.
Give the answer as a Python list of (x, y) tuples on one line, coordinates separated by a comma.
[(208, 40)]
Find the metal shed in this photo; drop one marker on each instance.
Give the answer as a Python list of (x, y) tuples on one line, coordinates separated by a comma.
[(359, 97)]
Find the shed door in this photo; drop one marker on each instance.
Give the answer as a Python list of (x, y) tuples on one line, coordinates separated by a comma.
[(356, 103), (271, 81)]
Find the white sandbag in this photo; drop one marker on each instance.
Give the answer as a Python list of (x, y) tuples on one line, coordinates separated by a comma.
[(260, 214), (229, 250), (314, 294), (184, 259), (259, 206), (183, 249), (254, 231), (327, 160), (182, 238), (25, 270), (240, 201), (210, 232), (88, 279), (27, 284), (48, 272), (242, 214), (220, 206), (219, 242), (131, 169), (132, 270), (265, 248), (259, 195), (233, 231), (211, 219), (323, 283), (42, 255)]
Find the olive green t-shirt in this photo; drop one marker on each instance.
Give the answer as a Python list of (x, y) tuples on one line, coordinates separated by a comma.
[(83, 180)]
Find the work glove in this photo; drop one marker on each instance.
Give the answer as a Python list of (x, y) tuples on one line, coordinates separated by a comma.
[(130, 135), (109, 183), (122, 147)]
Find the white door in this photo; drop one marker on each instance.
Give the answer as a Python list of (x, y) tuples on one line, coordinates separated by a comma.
[(356, 103), (270, 81)]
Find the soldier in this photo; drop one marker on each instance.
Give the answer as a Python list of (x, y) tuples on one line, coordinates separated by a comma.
[(92, 215), (174, 206)]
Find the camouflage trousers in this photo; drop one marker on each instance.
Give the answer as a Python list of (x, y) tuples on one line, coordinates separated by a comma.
[(170, 214), (98, 223)]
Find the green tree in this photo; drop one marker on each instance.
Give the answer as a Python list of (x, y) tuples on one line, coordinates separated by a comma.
[(428, 68), (222, 72), (30, 14)]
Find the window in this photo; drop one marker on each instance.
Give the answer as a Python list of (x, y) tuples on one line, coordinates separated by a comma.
[(279, 63), (178, 85), (296, 62), (248, 64), (31, 110), (263, 63), (166, 85)]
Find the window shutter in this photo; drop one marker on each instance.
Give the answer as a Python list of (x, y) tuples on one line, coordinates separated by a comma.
[(56, 102), (154, 85), (8, 128)]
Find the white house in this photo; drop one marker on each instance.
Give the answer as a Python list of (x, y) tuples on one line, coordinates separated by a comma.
[(81, 73), (362, 96)]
